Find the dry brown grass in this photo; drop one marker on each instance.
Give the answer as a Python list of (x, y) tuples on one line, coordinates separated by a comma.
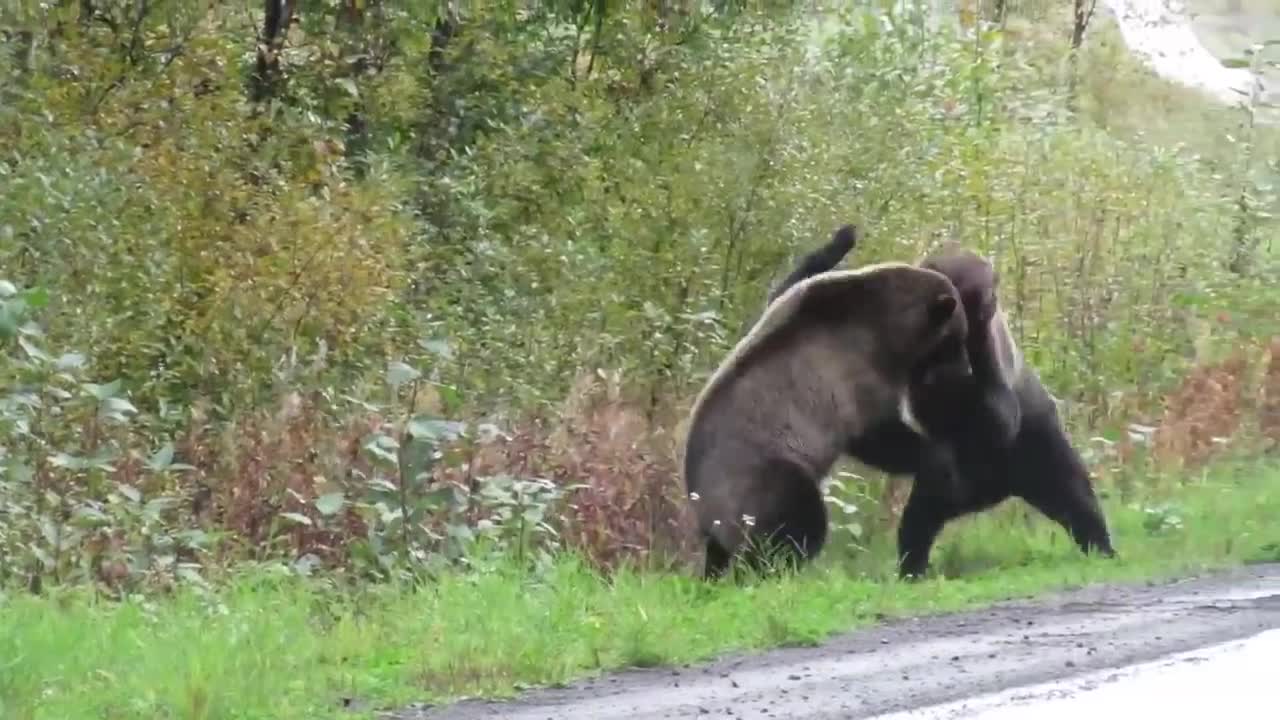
[(627, 503), (249, 472), (1269, 403), (1221, 404), (1203, 413)]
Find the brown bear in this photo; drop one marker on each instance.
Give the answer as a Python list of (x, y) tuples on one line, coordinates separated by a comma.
[(830, 358), (972, 444)]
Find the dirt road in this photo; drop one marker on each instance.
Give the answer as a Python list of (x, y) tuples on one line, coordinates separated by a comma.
[(935, 666)]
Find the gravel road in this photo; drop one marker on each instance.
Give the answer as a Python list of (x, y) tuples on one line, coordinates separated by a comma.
[(929, 666)]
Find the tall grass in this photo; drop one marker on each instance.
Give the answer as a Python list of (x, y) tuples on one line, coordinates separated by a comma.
[(269, 644), (245, 328)]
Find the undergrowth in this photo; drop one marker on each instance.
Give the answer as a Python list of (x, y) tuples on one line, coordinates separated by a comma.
[(400, 284), (345, 363), (266, 643)]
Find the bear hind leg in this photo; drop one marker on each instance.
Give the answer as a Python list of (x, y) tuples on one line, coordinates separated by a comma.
[(922, 520), (934, 501), (717, 560), (1053, 479), (1077, 510), (790, 528)]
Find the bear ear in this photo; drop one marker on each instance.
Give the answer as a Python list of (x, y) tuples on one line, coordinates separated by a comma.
[(941, 309)]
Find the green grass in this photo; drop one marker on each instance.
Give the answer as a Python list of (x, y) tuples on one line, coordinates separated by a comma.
[(272, 646)]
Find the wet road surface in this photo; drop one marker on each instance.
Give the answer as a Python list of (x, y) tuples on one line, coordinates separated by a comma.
[(1098, 649), (1233, 680)]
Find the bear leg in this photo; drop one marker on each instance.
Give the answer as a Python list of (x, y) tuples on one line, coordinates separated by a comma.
[(790, 527), (1077, 510)]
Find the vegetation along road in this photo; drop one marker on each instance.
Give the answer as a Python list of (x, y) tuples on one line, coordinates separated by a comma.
[(921, 663), (347, 348)]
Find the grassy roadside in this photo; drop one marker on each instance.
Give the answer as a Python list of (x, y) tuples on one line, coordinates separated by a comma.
[(269, 646)]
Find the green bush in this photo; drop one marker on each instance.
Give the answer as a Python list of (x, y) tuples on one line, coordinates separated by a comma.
[(516, 199)]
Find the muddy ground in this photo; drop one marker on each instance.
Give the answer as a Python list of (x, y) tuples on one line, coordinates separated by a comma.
[(918, 662)]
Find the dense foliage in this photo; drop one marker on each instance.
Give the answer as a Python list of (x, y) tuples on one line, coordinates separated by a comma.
[(249, 283)]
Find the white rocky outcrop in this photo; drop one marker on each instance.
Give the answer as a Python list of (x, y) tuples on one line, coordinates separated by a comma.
[(1160, 33)]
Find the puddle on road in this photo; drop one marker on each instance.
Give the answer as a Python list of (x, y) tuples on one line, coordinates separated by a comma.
[(1263, 590), (1230, 680)]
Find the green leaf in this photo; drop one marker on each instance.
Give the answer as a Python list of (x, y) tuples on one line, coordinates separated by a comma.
[(130, 492), (427, 428), (89, 515), (399, 373), (379, 453), (32, 351), (45, 559), (102, 392), (36, 297), (52, 533), (68, 461), (191, 574), (20, 472), (70, 361), (116, 404), (156, 506), (118, 409), (437, 346), (350, 86), (193, 538), (102, 460), (295, 517), (330, 503), (384, 441), (162, 458)]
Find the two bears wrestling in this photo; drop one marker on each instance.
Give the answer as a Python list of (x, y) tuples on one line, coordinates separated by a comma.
[(910, 369)]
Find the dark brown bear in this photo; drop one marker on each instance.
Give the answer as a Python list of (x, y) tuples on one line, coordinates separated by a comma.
[(831, 357), (970, 445)]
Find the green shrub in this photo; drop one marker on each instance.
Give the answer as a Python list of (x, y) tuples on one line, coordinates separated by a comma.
[(515, 200)]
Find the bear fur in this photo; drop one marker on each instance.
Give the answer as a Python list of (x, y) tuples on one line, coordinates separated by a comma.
[(829, 358), (972, 444)]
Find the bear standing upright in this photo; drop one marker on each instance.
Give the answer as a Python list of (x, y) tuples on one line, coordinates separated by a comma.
[(973, 444), (829, 359)]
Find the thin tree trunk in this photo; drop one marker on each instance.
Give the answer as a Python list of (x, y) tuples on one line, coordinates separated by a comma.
[(276, 17), (1082, 13)]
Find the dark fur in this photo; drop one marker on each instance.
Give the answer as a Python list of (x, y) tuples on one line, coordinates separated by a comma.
[(829, 358), (985, 409), (821, 260), (994, 435)]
